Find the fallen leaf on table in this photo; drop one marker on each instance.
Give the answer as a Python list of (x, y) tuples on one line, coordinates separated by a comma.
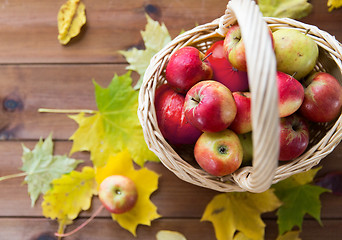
[(295, 9), (41, 167), (155, 37), (291, 235), (334, 4), (69, 194), (299, 197), (114, 127), (146, 181), (71, 17), (240, 212), (169, 235)]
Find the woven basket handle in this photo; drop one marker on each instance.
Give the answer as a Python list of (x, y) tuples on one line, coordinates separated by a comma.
[(261, 65)]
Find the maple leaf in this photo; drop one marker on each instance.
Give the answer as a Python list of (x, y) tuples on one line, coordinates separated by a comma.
[(155, 37), (71, 17), (169, 235), (232, 212), (299, 197), (291, 235), (334, 4), (295, 9), (146, 181), (69, 194), (115, 127), (41, 167)]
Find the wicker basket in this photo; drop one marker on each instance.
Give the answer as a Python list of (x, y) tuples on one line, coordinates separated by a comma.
[(261, 62)]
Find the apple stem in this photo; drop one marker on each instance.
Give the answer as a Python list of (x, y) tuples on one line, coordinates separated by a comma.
[(207, 57), (82, 225), (307, 31)]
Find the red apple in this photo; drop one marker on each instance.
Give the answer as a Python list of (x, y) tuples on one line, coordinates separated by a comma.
[(322, 99), (210, 106), (242, 122), (118, 194), (219, 153), (235, 48), (294, 137), (223, 71), (171, 119), (186, 67), (290, 93)]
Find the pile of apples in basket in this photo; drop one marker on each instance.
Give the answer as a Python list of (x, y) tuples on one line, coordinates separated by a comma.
[(206, 100)]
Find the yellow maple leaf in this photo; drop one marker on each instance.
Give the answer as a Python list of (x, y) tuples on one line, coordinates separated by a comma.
[(232, 212), (69, 194), (146, 182), (334, 4), (71, 17), (169, 235)]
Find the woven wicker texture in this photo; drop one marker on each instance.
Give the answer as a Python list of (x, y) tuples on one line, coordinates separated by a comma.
[(265, 121)]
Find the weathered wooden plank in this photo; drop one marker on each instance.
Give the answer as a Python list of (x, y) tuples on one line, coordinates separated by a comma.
[(28, 32), (27, 88), (174, 198), (105, 228)]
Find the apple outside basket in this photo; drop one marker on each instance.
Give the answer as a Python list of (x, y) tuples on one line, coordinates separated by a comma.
[(266, 169)]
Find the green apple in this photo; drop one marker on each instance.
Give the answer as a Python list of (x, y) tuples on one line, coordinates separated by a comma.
[(296, 52), (247, 147)]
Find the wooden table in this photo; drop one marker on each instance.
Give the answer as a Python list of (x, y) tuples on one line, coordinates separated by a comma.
[(36, 71)]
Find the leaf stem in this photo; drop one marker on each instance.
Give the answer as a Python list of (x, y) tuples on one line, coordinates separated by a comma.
[(13, 176), (82, 225), (67, 111)]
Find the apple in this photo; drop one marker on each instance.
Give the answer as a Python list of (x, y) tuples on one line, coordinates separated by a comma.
[(210, 106), (290, 94), (234, 47), (322, 98), (247, 147), (171, 118), (223, 71), (186, 67), (219, 153), (294, 137), (296, 53), (242, 122), (118, 194)]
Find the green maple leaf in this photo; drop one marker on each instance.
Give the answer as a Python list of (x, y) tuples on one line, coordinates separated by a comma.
[(239, 214), (299, 197), (41, 167), (155, 37), (114, 127), (295, 9)]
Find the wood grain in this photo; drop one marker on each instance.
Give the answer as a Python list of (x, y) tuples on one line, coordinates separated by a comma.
[(37, 72), (26, 30), (105, 228), (111, 26)]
